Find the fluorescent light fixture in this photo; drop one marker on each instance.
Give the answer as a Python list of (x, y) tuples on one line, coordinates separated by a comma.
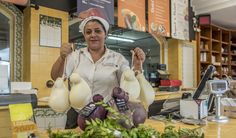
[(120, 39)]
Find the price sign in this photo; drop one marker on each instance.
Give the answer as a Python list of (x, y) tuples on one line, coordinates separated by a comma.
[(87, 110), (121, 104)]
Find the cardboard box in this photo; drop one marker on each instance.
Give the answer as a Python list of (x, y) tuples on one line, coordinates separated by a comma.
[(194, 109), (229, 111), (228, 107), (23, 129)]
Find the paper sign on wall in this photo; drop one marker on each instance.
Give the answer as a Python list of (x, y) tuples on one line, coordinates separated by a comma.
[(179, 19), (50, 31)]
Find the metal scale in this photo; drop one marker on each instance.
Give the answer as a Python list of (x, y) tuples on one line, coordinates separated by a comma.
[(217, 87)]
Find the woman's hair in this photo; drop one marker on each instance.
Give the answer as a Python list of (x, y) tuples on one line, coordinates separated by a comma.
[(100, 20)]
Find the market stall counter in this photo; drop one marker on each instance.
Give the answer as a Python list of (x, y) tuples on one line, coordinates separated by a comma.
[(211, 130)]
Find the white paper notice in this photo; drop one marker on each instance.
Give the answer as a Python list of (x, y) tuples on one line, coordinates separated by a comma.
[(179, 19), (4, 87), (50, 31)]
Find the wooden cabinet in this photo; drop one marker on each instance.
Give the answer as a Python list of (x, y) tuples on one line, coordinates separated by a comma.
[(216, 46), (225, 52), (233, 53)]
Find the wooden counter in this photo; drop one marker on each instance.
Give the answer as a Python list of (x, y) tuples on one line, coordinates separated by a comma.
[(211, 130), (162, 95), (167, 95), (5, 123)]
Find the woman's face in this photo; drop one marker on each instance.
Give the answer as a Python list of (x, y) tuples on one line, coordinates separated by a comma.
[(94, 35)]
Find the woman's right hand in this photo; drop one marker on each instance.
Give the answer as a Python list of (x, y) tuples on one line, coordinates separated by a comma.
[(65, 50)]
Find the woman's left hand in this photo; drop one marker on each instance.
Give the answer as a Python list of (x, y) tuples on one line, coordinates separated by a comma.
[(139, 58)]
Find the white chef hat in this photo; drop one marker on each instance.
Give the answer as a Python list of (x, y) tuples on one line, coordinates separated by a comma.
[(103, 21)]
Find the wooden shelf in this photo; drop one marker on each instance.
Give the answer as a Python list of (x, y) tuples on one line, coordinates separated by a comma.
[(233, 45), (224, 64), (216, 65), (220, 42), (205, 38), (215, 40), (225, 54), (204, 50), (217, 75), (225, 43), (233, 62), (215, 52), (204, 62)]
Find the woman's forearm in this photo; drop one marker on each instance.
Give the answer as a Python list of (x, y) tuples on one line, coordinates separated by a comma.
[(57, 68), (138, 67)]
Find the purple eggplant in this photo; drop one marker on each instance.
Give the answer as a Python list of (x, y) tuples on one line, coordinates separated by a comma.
[(97, 98), (81, 122), (91, 111), (139, 113), (120, 94), (136, 110)]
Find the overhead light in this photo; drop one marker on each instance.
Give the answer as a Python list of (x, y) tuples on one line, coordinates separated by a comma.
[(120, 39)]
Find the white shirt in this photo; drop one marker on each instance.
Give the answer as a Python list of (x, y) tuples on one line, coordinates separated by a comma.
[(101, 76)]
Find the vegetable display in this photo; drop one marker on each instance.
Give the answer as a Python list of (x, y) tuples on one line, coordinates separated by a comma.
[(122, 117), (110, 128), (61, 134)]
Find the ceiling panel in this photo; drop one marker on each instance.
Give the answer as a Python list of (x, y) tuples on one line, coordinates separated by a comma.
[(222, 11)]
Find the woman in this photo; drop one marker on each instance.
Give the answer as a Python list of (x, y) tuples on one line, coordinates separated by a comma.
[(99, 66)]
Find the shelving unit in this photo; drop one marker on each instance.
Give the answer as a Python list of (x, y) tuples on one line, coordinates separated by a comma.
[(204, 39), (233, 53), (216, 46), (225, 54)]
